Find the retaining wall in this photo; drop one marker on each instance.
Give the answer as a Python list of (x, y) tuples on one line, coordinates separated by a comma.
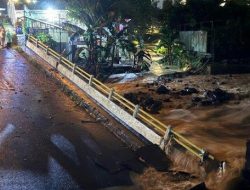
[(117, 112)]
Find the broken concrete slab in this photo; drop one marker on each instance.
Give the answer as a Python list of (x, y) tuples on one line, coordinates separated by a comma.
[(108, 164), (134, 165), (154, 156)]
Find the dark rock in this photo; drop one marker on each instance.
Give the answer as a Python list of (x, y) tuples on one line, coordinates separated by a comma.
[(162, 90), (167, 100), (206, 102), (137, 85), (188, 91), (223, 83), (196, 99), (151, 105), (155, 107), (148, 102), (132, 97), (181, 176), (201, 186), (154, 156), (217, 96)]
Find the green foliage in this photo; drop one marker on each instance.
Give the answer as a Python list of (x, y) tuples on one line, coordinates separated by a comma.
[(175, 53), (45, 38), (103, 36)]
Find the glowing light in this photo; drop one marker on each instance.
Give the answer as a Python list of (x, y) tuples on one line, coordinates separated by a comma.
[(50, 14), (28, 1), (183, 2), (223, 4)]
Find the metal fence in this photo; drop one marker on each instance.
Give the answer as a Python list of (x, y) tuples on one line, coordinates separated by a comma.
[(151, 122)]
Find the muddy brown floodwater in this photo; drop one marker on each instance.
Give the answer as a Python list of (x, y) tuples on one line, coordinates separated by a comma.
[(221, 129)]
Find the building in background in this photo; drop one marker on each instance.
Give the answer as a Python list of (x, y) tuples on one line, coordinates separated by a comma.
[(160, 3), (53, 12)]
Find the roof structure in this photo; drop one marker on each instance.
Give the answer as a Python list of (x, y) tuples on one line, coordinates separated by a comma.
[(42, 5), (3, 4)]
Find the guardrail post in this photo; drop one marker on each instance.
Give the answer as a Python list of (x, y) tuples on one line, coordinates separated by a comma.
[(204, 155), (111, 93), (47, 50), (136, 110), (165, 139), (59, 61), (74, 68), (90, 80), (36, 42)]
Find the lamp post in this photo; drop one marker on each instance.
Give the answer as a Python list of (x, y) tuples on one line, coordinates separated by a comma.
[(59, 16)]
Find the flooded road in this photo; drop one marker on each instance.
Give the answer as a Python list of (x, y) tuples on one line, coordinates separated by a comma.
[(46, 142)]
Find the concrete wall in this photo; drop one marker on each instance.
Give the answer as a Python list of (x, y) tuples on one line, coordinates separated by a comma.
[(117, 112)]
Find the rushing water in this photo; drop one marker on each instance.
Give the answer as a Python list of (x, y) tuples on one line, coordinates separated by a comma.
[(222, 131)]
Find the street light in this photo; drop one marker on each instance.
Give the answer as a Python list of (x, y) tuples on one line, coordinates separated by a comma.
[(50, 14)]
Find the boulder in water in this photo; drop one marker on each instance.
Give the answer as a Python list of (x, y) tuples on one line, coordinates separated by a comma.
[(162, 90), (132, 97), (188, 91), (217, 96)]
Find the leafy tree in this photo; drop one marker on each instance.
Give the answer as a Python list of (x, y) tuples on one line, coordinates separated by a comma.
[(46, 39), (103, 18)]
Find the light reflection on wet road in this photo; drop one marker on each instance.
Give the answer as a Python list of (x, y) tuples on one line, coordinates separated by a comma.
[(44, 143)]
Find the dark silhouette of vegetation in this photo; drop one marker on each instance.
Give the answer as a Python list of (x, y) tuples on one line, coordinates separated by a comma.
[(103, 35), (228, 25)]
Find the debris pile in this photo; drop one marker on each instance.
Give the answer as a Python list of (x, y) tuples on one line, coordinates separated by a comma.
[(145, 101), (213, 97)]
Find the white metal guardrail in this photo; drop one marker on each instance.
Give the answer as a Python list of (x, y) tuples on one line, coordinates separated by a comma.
[(135, 111)]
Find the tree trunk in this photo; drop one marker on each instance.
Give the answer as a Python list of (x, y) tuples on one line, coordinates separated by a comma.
[(113, 56), (170, 56)]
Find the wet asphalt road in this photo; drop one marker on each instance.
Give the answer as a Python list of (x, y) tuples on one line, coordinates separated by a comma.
[(46, 142)]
